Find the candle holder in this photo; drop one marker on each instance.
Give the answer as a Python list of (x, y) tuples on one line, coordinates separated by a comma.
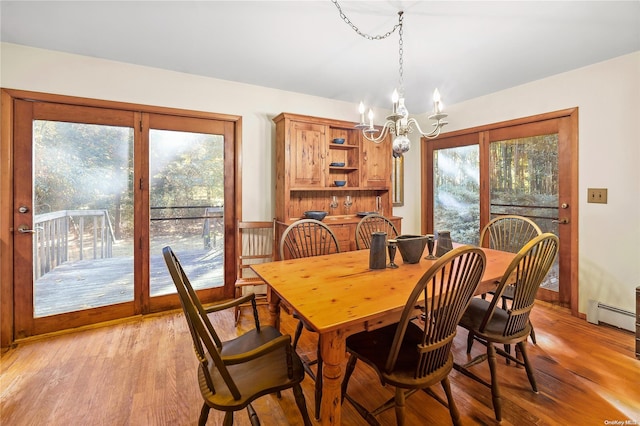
[(392, 245), (430, 245)]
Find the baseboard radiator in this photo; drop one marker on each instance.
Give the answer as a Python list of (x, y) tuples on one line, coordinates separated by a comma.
[(598, 312)]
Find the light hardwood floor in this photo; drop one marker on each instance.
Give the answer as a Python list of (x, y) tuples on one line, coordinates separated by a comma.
[(142, 372)]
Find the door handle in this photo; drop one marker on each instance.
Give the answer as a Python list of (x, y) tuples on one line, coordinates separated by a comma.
[(24, 229), (562, 221)]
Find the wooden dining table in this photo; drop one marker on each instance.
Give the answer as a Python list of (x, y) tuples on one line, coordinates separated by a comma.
[(337, 295)]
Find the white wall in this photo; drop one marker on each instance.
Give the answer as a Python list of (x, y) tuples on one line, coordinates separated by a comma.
[(39, 70), (608, 95)]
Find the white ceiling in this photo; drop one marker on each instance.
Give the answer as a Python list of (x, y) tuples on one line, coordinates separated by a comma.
[(465, 48)]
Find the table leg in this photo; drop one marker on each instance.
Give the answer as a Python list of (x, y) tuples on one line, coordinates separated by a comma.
[(333, 352), (274, 308)]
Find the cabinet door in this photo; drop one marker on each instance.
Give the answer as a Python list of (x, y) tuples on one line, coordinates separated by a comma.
[(376, 164), (308, 150), (345, 234)]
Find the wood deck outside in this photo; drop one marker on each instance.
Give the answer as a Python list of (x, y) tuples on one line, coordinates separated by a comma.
[(88, 284)]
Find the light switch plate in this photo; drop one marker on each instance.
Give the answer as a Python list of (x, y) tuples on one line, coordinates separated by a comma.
[(597, 195)]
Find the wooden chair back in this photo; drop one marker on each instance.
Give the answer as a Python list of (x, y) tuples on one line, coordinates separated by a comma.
[(508, 233), (454, 277), (256, 244), (370, 224), (306, 238), (525, 274), (206, 343), (234, 373)]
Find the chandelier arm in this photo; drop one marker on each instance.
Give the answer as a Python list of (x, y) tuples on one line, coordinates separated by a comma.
[(368, 133), (430, 135)]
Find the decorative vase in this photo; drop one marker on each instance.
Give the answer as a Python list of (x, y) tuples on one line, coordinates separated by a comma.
[(377, 253), (444, 243)]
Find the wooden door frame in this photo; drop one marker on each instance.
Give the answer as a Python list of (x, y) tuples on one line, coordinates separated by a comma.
[(7, 97), (479, 135)]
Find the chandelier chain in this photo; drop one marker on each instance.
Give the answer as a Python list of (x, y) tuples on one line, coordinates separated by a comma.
[(360, 33), (400, 54)]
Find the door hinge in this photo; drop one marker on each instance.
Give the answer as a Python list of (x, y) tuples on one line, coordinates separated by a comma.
[(140, 125), (141, 183)]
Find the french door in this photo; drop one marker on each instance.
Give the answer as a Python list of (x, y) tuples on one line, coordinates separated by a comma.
[(97, 193), (527, 167)]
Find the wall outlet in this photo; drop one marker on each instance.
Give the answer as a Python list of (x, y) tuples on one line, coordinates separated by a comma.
[(597, 195)]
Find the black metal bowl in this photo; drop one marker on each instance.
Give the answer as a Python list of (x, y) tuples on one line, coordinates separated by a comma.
[(411, 247), (315, 214)]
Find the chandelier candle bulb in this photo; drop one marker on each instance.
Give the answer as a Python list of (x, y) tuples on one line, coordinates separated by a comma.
[(402, 110), (394, 101), (436, 101), (361, 110), (436, 96)]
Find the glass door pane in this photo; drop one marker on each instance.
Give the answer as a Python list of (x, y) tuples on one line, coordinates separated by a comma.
[(187, 203), (456, 192), (83, 216), (523, 180)]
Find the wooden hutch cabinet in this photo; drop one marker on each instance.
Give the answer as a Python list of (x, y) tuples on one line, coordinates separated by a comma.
[(308, 163)]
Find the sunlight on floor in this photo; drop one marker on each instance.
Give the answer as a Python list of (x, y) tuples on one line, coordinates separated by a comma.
[(630, 407)]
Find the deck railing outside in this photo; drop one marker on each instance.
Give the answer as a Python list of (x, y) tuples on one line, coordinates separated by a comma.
[(73, 235), (68, 235)]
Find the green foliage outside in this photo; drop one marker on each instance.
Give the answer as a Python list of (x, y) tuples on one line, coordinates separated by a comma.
[(85, 166), (80, 166), (523, 180)]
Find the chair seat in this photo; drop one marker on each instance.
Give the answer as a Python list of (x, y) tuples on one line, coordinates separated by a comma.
[(508, 293), (474, 315), (242, 287), (257, 283), (250, 340), (250, 281), (373, 348), (261, 376)]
